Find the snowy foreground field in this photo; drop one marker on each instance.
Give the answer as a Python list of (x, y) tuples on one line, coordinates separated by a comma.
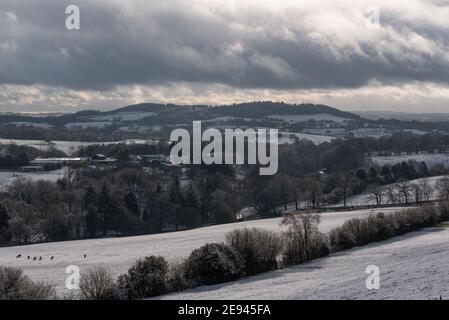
[(119, 254), (413, 266)]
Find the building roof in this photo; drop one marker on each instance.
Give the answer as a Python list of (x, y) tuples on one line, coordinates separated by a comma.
[(56, 160)]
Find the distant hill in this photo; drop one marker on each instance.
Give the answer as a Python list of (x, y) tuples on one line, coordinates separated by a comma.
[(243, 110), (152, 107), (265, 108), (254, 110), (158, 120), (403, 116)]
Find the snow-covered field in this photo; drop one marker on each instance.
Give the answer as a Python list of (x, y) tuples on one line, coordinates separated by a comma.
[(368, 198), (66, 146), (139, 128), (370, 133), (119, 253), (285, 137), (326, 131), (292, 118), (226, 118), (30, 124), (316, 139), (124, 116), (6, 177), (415, 131), (430, 159), (85, 125), (413, 266)]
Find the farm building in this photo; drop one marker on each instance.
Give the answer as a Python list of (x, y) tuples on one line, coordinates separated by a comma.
[(56, 161)]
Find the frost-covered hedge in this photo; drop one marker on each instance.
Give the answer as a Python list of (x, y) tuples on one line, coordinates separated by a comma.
[(259, 248), (14, 285), (361, 231), (214, 263), (146, 278), (98, 283)]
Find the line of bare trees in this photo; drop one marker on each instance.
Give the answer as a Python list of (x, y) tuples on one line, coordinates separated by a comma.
[(405, 192)]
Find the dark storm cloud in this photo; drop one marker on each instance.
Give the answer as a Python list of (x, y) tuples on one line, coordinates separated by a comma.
[(252, 45)]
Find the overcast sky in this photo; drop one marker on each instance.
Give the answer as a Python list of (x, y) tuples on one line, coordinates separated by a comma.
[(225, 51)]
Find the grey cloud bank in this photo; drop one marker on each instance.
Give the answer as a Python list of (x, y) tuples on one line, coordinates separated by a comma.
[(293, 48)]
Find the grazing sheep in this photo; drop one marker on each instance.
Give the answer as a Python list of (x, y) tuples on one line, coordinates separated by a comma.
[(40, 258), (19, 256), (34, 259), (28, 257), (85, 256), (52, 258)]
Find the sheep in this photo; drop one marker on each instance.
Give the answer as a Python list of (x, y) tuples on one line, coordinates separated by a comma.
[(19, 256)]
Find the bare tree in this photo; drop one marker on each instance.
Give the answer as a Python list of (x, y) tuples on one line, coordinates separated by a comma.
[(23, 225), (314, 190), (69, 175), (98, 283), (297, 192), (377, 193), (305, 241), (345, 181), (442, 187), (392, 194), (417, 192), (405, 190), (21, 189), (426, 189)]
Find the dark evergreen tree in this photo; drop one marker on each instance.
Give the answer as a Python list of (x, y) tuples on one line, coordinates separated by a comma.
[(177, 201), (361, 174), (396, 171), (191, 211), (423, 169), (412, 173), (132, 203), (4, 224), (405, 170), (386, 173), (89, 205), (373, 174), (105, 208)]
